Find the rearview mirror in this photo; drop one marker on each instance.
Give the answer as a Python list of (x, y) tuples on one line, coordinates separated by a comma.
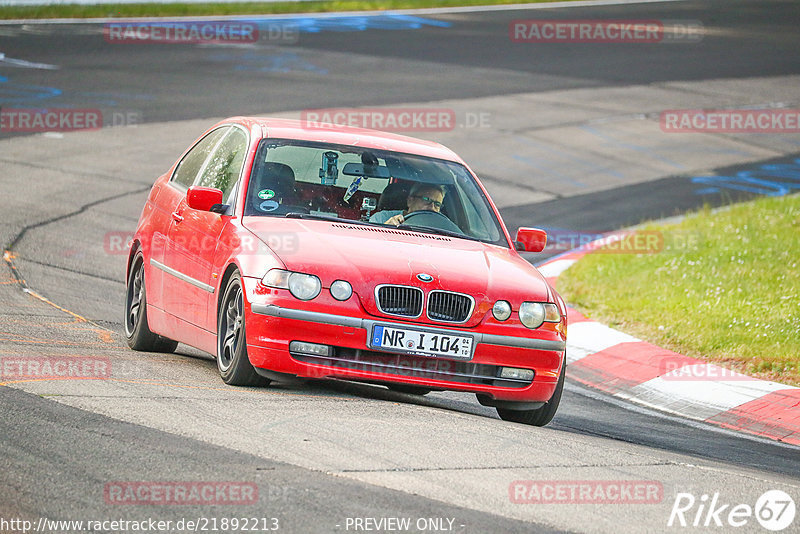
[(531, 239), (203, 198), (370, 171)]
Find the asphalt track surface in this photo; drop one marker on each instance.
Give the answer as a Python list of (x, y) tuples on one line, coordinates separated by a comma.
[(324, 452)]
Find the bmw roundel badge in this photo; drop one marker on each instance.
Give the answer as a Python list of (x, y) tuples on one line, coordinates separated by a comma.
[(424, 277)]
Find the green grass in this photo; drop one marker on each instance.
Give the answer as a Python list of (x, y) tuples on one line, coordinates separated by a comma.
[(725, 288), (235, 8)]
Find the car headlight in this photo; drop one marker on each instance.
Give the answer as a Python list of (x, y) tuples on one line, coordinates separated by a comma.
[(304, 286), (533, 314), (341, 290), (301, 286), (501, 310)]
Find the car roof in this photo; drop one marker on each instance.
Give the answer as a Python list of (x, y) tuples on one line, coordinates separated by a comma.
[(275, 128)]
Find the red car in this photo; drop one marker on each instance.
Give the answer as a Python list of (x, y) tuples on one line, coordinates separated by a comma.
[(328, 252)]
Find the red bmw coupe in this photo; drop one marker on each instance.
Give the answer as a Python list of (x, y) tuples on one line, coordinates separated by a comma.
[(332, 252)]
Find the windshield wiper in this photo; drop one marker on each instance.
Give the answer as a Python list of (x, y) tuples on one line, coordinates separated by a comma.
[(411, 227), (429, 230), (319, 217)]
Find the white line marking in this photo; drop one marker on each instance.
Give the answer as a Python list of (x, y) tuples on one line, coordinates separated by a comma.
[(11, 62), (655, 411), (699, 399), (555, 268), (588, 337)]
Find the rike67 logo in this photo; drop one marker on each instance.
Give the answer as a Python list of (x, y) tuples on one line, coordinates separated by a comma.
[(774, 510)]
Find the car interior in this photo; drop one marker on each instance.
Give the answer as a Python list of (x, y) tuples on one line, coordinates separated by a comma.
[(352, 183)]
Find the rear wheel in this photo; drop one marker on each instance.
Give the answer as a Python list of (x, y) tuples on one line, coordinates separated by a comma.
[(232, 360), (540, 416), (137, 331)]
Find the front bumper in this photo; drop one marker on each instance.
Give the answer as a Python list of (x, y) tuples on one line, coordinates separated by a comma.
[(271, 328)]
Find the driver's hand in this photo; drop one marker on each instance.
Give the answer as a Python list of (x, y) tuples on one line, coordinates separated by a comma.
[(397, 220)]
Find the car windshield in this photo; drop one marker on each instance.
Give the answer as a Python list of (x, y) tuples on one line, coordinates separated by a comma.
[(319, 180)]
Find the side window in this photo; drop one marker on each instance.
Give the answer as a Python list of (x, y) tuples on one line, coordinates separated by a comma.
[(191, 163), (223, 168)]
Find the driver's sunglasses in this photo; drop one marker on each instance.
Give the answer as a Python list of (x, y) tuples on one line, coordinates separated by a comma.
[(435, 203)]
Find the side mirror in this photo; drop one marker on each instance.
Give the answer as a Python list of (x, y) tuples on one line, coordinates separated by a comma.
[(531, 239), (203, 198)]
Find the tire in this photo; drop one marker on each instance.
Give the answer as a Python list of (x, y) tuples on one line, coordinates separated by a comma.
[(232, 360), (410, 390), (540, 416), (137, 331)]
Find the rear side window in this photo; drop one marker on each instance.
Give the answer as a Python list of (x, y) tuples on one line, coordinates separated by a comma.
[(193, 161), (223, 168)]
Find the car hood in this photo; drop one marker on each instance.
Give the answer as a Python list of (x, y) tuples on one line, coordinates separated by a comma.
[(368, 256)]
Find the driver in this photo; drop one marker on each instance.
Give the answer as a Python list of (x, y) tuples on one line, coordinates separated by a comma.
[(421, 197)]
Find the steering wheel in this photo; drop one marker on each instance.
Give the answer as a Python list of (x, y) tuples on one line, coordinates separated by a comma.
[(432, 219)]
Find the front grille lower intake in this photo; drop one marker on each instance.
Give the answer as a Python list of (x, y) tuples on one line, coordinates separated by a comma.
[(414, 366)]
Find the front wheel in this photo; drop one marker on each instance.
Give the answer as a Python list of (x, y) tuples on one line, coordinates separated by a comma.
[(137, 331), (232, 360), (540, 416)]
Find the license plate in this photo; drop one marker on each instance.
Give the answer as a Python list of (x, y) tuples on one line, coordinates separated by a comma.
[(422, 342)]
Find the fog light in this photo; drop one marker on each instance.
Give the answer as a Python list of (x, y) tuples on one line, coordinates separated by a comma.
[(341, 290), (513, 373), (501, 310), (315, 349)]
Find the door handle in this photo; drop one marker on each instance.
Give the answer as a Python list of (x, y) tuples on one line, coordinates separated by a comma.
[(177, 217)]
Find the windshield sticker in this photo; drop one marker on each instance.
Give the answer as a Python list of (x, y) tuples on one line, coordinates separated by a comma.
[(268, 205), (265, 194)]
